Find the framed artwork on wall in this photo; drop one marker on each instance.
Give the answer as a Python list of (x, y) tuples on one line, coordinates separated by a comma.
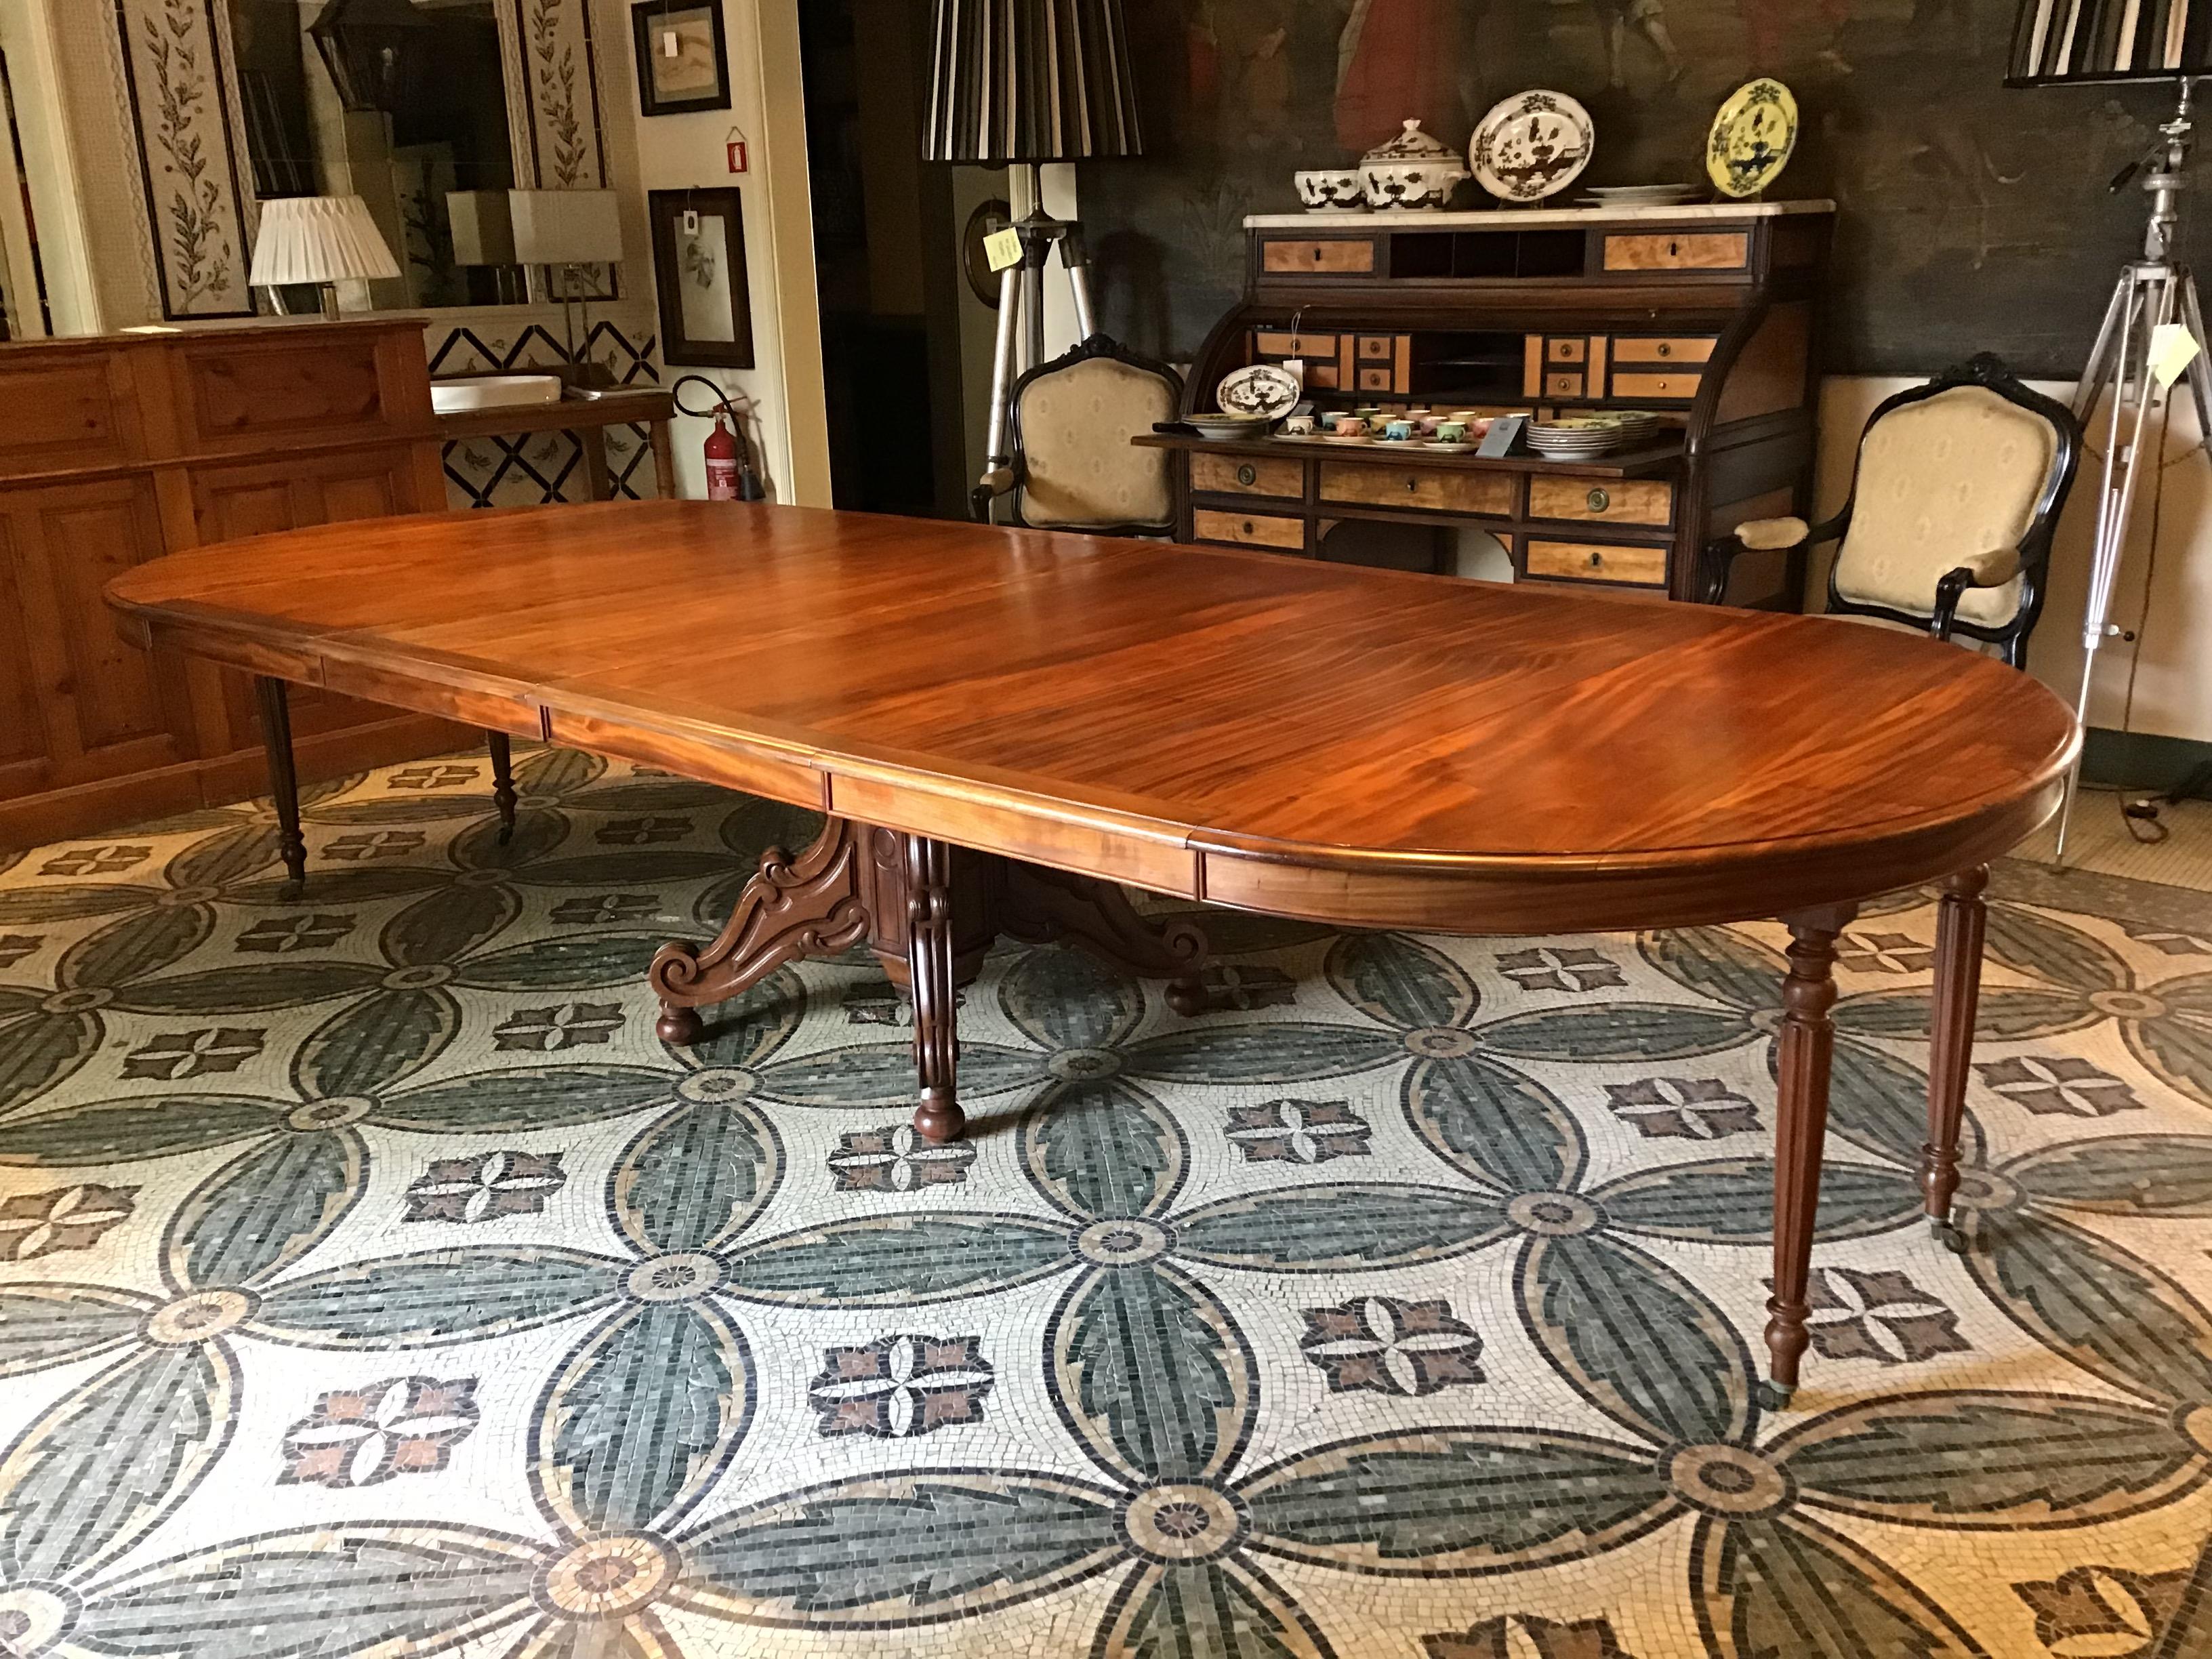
[(682, 56), (698, 267)]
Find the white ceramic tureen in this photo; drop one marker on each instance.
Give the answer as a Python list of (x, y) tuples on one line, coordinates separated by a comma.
[(1413, 171)]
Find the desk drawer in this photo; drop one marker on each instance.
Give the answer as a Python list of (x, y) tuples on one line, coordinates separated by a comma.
[(1563, 383), (1590, 561), (1435, 488), (1234, 475), (1281, 342), (1614, 500), (1676, 385), (1679, 251), (1249, 529), (1566, 351), (1337, 257), (1662, 352)]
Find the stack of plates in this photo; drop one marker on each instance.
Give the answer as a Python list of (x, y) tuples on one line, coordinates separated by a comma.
[(1229, 424), (1579, 437), (1642, 195)]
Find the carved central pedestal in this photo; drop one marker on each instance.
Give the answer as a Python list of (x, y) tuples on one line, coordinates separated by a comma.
[(930, 912)]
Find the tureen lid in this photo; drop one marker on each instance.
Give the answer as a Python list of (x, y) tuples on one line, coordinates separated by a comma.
[(1411, 145)]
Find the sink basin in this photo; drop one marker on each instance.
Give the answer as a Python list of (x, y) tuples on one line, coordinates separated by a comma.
[(493, 391)]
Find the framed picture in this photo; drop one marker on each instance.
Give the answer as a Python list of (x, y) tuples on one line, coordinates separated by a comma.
[(682, 56), (699, 266)]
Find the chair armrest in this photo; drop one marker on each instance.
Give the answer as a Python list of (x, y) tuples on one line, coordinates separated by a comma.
[(999, 481), (1767, 535), (1756, 536), (1993, 568)]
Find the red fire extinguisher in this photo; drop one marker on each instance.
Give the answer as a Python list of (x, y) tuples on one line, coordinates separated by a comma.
[(722, 458), (730, 474)]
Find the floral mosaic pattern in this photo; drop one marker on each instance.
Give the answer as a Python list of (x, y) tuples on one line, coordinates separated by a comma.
[(1408, 1304)]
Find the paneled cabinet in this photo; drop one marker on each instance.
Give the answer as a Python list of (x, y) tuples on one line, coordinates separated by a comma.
[(114, 451)]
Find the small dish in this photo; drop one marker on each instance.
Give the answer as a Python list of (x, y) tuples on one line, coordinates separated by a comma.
[(1531, 145), (1341, 438), (1753, 133), (1266, 390), (1331, 190), (1230, 425)]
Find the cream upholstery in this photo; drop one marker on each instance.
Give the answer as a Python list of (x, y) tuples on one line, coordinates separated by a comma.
[(1076, 424), (1946, 481)]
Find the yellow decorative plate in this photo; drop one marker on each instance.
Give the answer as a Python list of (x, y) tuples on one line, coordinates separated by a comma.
[(1752, 137)]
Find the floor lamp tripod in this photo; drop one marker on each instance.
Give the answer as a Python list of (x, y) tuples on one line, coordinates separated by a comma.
[(1020, 82), (1021, 306)]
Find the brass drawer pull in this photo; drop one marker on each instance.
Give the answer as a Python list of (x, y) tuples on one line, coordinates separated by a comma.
[(1599, 501), (1665, 350), (1245, 475), (1413, 483)]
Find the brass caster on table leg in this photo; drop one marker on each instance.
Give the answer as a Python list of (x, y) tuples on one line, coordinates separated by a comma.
[(939, 1118), (1774, 1396), (679, 1027), (1948, 1234)]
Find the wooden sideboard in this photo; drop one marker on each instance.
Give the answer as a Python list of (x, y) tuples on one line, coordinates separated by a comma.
[(1704, 315), (115, 449)]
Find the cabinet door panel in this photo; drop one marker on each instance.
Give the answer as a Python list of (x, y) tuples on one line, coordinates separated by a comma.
[(22, 727), (110, 707)]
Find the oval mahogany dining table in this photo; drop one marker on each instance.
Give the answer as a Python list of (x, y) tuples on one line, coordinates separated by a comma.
[(1005, 726)]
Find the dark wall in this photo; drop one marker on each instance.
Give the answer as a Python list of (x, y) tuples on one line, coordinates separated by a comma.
[(1971, 216)]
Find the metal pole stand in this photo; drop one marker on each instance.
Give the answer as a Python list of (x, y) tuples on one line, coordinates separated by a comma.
[(2154, 291), (1021, 305)]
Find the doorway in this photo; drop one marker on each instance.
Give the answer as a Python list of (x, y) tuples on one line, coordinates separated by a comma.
[(886, 261)]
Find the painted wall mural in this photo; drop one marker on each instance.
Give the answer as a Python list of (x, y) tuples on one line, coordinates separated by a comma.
[(1971, 216), (181, 126)]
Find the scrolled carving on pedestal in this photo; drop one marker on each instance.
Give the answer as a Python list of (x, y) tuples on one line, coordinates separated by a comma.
[(936, 999), (792, 907), (1044, 905)]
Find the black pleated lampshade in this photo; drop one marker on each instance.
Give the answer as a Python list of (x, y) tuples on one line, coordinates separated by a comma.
[(2056, 41), (1032, 80)]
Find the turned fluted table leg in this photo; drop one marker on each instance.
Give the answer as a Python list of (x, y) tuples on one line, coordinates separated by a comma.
[(284, 779), (502, 783), (1960, 920), (929, 975), (1809, 1041)]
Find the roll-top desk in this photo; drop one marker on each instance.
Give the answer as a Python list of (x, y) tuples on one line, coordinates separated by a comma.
[(1705, 314)]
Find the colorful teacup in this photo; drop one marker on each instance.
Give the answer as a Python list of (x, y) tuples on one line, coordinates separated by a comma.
[(1398, 430), (1351, 426), (1451, 432), (1298, 426)]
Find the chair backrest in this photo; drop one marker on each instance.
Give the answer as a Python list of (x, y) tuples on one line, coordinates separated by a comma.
[(1073, 420), (1963, 471)]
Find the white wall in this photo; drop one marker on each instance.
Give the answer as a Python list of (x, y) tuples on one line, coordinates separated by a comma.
[(2160, 683), (788, 430)]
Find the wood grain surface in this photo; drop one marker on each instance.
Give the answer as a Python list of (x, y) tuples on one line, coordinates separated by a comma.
[(1356, 745)]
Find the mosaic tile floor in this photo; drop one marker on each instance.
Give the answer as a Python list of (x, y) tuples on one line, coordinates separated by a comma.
[(371, 1280)]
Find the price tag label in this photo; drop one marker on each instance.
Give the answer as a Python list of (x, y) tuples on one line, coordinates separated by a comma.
[(2172, 349), (1003, 248)]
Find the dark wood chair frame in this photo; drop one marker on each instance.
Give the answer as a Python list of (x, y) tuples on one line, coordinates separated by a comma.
[(1010, 479), (1989, 372)]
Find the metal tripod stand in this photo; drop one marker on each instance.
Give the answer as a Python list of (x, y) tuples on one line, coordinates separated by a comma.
[(2153, 291), (1021, 303)]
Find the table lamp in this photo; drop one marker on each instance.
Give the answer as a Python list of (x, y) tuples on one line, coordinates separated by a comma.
[(563, 229), (1027, 82), (324, 240), (2169, 42)]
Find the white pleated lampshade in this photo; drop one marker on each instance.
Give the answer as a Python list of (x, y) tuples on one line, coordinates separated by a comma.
[(318, 239)]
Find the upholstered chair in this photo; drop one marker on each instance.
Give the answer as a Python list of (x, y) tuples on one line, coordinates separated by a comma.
[(1947, 526), (1069, 422)]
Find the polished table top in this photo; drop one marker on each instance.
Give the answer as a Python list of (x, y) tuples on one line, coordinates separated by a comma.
[(1317, 739)]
